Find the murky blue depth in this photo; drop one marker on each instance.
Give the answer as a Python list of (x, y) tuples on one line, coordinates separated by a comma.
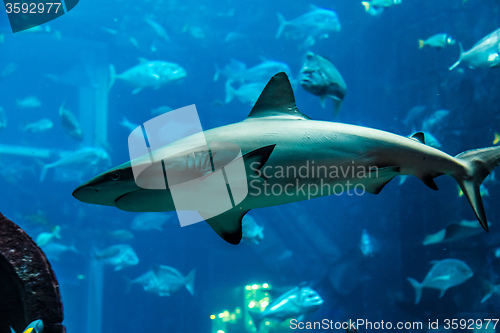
[(65, 89)]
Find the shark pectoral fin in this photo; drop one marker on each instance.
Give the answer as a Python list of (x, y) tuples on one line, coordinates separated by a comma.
[(256, 159), (379, 177), (228, 224)]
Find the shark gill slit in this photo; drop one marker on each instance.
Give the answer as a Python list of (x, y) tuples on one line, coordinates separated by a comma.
[(228, 187), (146, 140), (212, 162)]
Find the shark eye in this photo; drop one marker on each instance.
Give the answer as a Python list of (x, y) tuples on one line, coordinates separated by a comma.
[(115, 175)]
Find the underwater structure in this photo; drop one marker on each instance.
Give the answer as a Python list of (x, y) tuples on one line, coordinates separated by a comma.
[(28, 287)]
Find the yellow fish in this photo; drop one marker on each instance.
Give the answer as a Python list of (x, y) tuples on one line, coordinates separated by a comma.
[(496, 139)]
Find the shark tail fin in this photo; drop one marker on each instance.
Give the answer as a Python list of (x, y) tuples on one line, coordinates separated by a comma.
[(282, 26), (112, 76), (459, 59), (479, 163), (421, 43), (189, 281), (418, 289), (366, 4)]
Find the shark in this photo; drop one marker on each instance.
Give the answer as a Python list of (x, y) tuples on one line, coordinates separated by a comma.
[(285, 155)]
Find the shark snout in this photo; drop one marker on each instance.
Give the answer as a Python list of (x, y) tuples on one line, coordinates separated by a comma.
[(92, 195)]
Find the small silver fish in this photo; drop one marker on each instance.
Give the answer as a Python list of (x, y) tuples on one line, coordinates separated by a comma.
[(159, 30), (413, 115), (149, 74), (435, 120), (87, 158), (321, 78), (379, 4), (39, 126), (54, 250), (453, 232), (443, 275), (237, 71), (121, 235), (252, 232), (150, 221), (161, 110), (318, 22), (164, 280), (70, 123), (120, 256), (45, 237), (128, 125), (366, 244), (28, 102), (293, 304), (246, 93), (484, 54)]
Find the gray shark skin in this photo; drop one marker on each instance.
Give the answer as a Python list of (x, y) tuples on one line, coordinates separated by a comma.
[(276, 134)]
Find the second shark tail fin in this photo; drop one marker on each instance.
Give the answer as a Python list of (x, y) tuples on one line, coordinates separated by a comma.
[(479, 163)]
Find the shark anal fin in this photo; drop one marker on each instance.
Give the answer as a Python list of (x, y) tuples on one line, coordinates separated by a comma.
[(228, 224), (429, 181), (258, 156), (381, 177)]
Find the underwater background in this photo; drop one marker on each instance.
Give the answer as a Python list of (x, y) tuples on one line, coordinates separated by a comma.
[(66, 66)]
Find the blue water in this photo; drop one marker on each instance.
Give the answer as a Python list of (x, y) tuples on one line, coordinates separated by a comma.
[(312, 241)]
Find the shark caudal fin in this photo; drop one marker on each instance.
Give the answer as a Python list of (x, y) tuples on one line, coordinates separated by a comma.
[(418, 289), (228, 224), (478, 165)]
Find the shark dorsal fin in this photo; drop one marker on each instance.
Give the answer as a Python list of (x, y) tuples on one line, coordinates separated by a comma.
[(277, 100), (418, 136)]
